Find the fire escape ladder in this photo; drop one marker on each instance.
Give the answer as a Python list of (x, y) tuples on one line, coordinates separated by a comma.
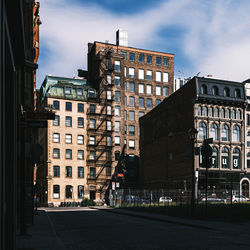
[(98, 157)]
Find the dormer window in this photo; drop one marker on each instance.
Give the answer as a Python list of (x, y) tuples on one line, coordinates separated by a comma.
[(67, 90), (203, 89), (237, 93), (226, 92), (215, 90), (91, 93), (80, 92)]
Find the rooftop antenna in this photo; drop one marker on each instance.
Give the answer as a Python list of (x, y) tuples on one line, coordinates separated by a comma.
[(198, 73)]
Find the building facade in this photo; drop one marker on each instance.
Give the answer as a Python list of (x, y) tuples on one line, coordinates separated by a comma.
[(216, 109), (128, 82)]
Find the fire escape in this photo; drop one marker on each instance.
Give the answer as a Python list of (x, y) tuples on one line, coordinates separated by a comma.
[(100, 127)]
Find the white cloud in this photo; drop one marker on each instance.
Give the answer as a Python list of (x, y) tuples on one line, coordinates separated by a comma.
[(214, 36)]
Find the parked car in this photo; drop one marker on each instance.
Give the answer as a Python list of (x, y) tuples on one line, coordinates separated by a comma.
[(211, 199), (238, 198), (165, 199), (132, 199)]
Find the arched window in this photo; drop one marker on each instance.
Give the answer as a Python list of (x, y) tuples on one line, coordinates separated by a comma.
[(199, 110), (68, 192), (215, 90), (216, 112), (203, 89), (238, 114), (210, 111), (222, 113), (227, 113), (236, 158), (214, 158), (202, 133), (237, 93), (233, 114), (213, 132), (204, 111), (224, 133), (236, 134), (226, 92), (225, 158)]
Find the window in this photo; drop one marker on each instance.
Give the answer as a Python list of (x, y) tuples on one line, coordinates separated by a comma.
[(108, 171), (56, 153), (68, 106), (92, 172), (149, 103), (80, 107), (117, 66), (203, 89), (248, 120), (91, 93), (236, 134), (56, 171), (216, 112), (117, 81), (222, 113), (225, 157), (117, 96), (141, 88), (149, 89), (68, 121), (125, 129), (165, 91), (165, 61), (248, 160), (141, 74), (109, 95), (213, 131), (68, 154), (125, 115), (80, 192), (67, 90), (125, 86), (214, 163), (68, 171), (68, 192), (131, 72), (131, 143), (149, 75), (215, 90), (131, 158), (131, 130), (238, 114), (56, 122), (158, 90), (92, 140), (233, 114), (56, 191), (109, 125), (132, 87), (149, 59), (56, 105), (158, 76), (158, 101), (117, 126), (141, 58), (125, 55), (80, 122), (68, 138), (91, 123), (108, 141), (80, 139), (80, 154), (131, 115), (141, 102), (248, 139), (141, 113), (109, 110), (226, 92), (210, 111), (92, 108), (56, 137), (80, 172), (202, 132), (224, 133), (132, 57), (158, 60), (236, 158), (117, 155), (227, 115), (117, 111), (92, 155), (204, 111), (125, 100), (131, 101), (237, 93), (109, 81), (117, 140), (199, 110), (79, 92)]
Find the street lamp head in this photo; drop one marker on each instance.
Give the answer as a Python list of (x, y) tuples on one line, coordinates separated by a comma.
[(192, 133)]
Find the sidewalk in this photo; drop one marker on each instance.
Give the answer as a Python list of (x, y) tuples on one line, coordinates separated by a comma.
[(40, 236)]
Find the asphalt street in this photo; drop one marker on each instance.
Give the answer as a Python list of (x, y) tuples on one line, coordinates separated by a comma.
[(95, 229)]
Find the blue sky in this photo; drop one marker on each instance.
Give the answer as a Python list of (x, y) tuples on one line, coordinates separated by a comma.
[(211, 37)]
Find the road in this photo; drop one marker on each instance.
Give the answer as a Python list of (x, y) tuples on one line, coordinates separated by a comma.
[(95, 229)]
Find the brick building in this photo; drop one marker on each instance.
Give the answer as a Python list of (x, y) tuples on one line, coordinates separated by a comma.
[(216, 109), (128, 82)]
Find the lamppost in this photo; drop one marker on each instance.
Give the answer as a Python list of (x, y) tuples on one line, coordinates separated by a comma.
[(193, 134)]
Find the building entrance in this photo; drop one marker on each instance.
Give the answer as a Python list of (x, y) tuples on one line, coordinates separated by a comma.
[(245, 188), (92, 195)]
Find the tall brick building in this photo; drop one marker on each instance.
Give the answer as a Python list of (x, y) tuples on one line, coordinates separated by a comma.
[(129, 82)]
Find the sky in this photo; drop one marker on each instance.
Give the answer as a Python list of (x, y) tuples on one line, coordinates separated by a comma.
[(207, 37)]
